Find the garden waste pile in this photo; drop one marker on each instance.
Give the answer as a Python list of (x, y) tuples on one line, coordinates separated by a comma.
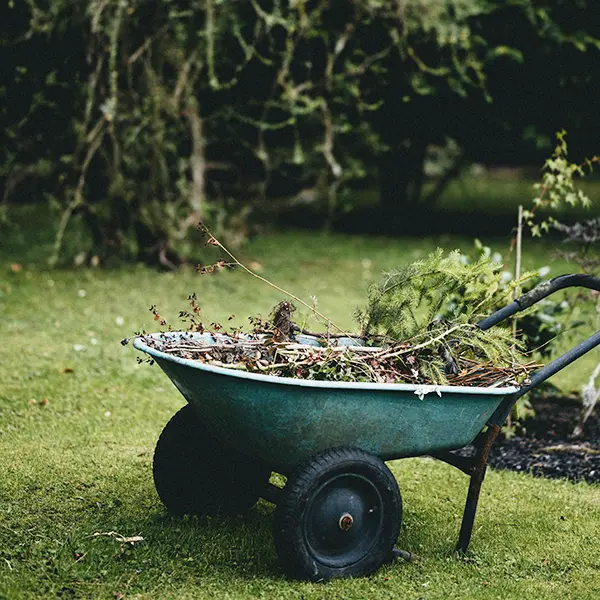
[(419, 327), (333, 360)]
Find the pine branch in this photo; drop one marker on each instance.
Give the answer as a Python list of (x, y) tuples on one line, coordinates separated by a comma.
[(433, 305)]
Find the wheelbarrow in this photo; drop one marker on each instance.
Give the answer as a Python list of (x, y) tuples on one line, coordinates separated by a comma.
[(340, 510)]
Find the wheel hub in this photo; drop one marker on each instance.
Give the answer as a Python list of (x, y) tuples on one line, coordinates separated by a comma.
[(343, 520)]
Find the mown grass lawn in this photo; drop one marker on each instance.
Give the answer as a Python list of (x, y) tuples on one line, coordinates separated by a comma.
[(79, 419)]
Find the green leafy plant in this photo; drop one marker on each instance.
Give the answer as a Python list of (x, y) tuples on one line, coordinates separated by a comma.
[(407, 300), (413, 304), (558, 187), (537, 326)]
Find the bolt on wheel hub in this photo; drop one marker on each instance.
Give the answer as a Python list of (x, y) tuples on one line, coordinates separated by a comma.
[(346, 521)]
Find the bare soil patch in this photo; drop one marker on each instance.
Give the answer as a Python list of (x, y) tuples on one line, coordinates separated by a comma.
[(545, 448)]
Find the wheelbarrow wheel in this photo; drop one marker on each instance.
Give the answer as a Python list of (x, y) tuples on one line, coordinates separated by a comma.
[(339, 516), (195, 474)]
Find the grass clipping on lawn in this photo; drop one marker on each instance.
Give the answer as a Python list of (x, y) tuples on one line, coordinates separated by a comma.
[(419, 327)]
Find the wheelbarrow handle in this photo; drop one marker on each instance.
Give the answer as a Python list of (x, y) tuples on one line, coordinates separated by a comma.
[(526, 300), (539, 293), (477, 466)]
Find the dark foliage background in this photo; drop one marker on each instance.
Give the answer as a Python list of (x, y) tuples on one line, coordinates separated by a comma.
[(145, 116)]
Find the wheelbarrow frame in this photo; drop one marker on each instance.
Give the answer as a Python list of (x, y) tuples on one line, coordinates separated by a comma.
[(475, 466)]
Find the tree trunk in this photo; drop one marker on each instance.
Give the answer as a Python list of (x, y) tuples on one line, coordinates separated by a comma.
[(400, 185), (197, 157), (197, 167)]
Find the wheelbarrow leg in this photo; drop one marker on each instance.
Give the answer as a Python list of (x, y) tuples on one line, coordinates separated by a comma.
[(477, 475)]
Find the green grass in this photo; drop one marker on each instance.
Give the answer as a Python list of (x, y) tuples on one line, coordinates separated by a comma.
[(494, 196), (497, 195), (80, 464)]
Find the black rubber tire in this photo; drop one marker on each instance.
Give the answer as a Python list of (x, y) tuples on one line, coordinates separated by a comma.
[(308, 530), (195, 474)]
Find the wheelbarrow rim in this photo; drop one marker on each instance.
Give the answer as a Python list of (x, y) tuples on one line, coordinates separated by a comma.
[(420, 390)]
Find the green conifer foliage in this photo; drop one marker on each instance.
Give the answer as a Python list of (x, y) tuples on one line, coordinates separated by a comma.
[(434, 304)]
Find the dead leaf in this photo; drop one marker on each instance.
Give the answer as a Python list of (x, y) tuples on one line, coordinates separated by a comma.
[(255, 265), (131, 540), (16, 267), (66, 370), (118, 537)]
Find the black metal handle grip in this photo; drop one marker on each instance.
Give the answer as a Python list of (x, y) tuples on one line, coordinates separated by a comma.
[(525, 301), (558, 283), (539, 293)]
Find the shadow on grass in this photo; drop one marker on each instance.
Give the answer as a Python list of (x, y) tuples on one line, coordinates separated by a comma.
[(244, 543), (74, 543), (188, 548), (185, 550)]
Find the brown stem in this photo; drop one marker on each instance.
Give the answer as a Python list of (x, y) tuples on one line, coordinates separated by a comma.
[(424, 344), (182, 80), (329, 322), (77, 201)]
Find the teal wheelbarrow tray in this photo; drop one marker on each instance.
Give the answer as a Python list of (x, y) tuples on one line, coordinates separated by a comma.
[(340, 510)]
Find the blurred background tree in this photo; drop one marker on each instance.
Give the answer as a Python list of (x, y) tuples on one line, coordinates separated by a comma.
[(145, 116)]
